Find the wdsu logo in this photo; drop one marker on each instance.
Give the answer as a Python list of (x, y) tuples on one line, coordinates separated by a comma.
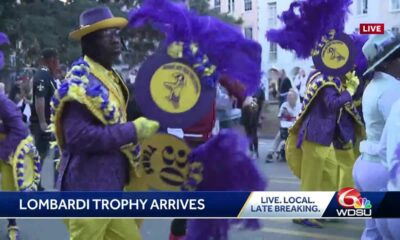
[(354, 205)]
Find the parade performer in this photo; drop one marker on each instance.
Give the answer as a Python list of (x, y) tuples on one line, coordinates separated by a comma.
[(383, 54), (390, 149), (19, 158), (329, 127), (97, 143), (198, 53)]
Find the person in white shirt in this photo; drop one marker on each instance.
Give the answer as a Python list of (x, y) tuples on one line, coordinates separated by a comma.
[(390, 154), (369, 174), (300, 82), (287, 113)]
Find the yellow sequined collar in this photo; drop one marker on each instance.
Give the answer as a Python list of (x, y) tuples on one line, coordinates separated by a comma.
[(111, 80)]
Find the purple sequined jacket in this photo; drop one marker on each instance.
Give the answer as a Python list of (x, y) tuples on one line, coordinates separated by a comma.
[(91, 158), (12, 126), (321, 125)]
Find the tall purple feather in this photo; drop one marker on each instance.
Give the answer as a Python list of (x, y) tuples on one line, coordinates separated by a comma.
[(224, 44), (361, 61), (227, 167), (3, 40), (316, 18)]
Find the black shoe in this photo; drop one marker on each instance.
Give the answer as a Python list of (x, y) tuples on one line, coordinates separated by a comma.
[(40, 188)]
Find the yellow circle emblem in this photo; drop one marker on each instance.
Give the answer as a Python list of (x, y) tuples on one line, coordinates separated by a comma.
[(175, 87), (164, 162), (335, 54)]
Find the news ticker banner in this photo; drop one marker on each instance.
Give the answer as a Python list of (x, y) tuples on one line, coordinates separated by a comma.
[(343, 204)]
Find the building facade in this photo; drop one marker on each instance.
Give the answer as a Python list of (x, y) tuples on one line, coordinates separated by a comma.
[(372, 11), (247, 10)]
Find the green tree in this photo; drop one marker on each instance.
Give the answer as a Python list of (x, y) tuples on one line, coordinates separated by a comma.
[(37, 24)]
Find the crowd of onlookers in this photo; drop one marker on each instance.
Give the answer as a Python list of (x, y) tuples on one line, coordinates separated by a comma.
[(288, 91)]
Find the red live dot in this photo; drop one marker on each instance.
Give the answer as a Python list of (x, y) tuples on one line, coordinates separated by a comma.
[(372, 28)]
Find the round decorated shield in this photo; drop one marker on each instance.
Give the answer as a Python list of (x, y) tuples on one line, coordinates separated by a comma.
[(164, 162), (170, 91), (26, 166), (335, 56)]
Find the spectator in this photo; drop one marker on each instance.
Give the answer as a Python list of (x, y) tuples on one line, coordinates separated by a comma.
[(44, 86), (273, 78), (287, 112), (250, 120), (60, 74), (284, 86), (300, 82), (227, 112), (24, 87)]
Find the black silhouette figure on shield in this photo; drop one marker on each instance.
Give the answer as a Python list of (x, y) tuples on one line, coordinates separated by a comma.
[(175, 89)]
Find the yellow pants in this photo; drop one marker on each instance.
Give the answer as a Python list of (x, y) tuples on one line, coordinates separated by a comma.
[(108, 229), (346, 160), (103, 229), (7, 177), (319, 169), (137, 185)]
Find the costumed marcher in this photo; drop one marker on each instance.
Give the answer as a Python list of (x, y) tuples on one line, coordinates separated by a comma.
[(383, 54), (19, 158), (202, 52), (321, 147), (88, 114), (390, 152)]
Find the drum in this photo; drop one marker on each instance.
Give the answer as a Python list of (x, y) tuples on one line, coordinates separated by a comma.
[(164, 162)]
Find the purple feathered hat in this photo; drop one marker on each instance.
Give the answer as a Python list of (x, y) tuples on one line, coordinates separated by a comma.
[(224, 44), (306, 22), (3, 40)]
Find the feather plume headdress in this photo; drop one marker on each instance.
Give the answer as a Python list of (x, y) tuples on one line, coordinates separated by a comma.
[(214, 47), (306, 22)]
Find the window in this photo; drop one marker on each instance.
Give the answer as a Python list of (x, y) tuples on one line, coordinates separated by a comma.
[(362, 7), (395, 30), (395, 4), (247, 5), (248, 32), (231, 6), (273, 51), (217, 5), (272, 14)]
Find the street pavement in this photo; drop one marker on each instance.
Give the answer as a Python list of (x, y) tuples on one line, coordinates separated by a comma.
[(279, 179)]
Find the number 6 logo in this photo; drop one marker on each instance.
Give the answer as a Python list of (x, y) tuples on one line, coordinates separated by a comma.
[(348, 197)]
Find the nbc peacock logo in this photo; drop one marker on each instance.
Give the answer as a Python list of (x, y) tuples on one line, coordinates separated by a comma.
[(362, 203), (354, 205)]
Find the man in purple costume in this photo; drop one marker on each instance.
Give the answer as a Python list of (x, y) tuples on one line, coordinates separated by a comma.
[(323, 129), (90, 142), (12, 132)]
